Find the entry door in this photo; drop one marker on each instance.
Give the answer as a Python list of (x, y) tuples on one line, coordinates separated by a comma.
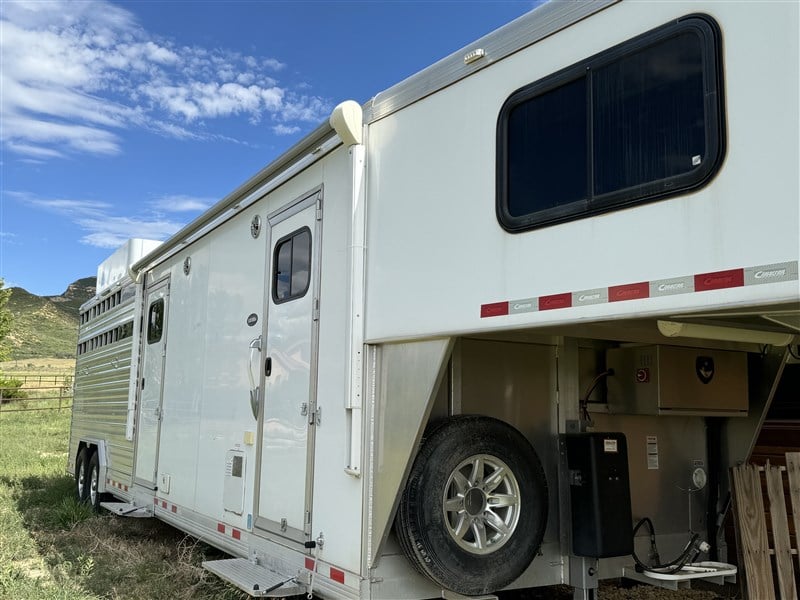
[(151, 383), (289, 371)]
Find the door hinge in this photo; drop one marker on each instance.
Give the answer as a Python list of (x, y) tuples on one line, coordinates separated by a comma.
[(315, 310), (314, 416), (319, 209), (307, 525)]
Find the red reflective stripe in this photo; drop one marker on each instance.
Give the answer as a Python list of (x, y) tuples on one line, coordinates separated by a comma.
[(719, 280), (496, 309), (337, 575), (163, 504), (237, 535), (309, 563), (631, 291), (220, 527), (174, 508), (155, 501), (555, 301)]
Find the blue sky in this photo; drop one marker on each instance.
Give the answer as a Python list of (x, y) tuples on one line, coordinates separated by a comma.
[(128, 119)]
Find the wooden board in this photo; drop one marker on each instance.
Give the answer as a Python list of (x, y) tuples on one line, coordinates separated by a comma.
[(793, 471), (753, 532), (780, 532)]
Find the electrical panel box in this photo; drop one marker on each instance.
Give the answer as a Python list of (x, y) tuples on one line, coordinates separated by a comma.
[(600, 494), (672, 380)]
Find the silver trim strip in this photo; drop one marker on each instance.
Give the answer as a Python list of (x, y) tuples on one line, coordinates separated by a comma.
[(520, 33)]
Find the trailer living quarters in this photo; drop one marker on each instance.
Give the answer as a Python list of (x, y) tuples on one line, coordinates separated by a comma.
[(464, 336)]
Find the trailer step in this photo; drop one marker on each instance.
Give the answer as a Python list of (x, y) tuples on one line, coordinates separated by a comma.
[(255, 580), (128, 509)]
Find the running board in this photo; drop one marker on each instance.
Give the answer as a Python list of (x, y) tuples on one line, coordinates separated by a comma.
[(255, 580), (128, 509)]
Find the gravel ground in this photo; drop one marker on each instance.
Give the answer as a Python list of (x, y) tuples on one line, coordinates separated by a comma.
[(629, 590)]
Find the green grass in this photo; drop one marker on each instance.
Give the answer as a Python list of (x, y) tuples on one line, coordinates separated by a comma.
[(52, 547)]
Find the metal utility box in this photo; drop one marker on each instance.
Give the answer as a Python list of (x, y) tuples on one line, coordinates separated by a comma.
[(672, 380), (600, 494)]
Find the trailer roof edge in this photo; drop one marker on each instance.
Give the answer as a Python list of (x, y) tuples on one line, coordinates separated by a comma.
[(524, 31), (302, 148), (520, 33)]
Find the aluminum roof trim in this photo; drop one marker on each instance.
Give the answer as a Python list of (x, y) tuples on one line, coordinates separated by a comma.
[(520, 33), (306, 146)]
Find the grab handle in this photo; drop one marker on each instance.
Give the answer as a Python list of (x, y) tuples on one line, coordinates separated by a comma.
[(255, 344)]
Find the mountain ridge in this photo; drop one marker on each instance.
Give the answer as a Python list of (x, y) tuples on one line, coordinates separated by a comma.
[(46, 326)]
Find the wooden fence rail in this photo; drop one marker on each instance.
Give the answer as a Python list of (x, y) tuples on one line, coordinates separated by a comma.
[(762, 535)]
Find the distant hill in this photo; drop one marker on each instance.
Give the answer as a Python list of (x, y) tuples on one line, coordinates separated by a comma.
[(47, 326)]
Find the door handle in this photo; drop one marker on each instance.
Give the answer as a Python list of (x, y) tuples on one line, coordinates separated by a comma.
[(255, 345), (268, 366)]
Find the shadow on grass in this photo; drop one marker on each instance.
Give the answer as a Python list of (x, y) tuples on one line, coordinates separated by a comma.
[(110, 556)]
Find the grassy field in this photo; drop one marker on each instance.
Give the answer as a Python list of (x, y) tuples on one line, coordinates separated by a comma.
[(38, 366), (52, 547)]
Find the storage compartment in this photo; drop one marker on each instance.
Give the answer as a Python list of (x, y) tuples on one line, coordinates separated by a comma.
[(600, 494), (663, 380)]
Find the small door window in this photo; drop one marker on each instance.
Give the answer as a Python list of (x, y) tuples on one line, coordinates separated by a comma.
[(155, 321), (291, 266)]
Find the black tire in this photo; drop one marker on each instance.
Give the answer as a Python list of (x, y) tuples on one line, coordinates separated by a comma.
[(474, 511), (93, 496), (82, 475)]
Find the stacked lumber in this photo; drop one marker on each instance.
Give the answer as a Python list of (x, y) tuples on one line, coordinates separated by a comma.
[(763, 538)]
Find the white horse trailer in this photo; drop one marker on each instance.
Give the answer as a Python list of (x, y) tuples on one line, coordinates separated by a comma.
[(458, 339)]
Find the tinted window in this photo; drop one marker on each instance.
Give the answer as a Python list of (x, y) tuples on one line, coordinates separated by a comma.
[(649, 117), (155, 321), (547, 150), (633, 124), (292, 266)]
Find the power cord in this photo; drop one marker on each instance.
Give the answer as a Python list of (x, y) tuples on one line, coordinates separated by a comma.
[(689, 554), (583, 402)]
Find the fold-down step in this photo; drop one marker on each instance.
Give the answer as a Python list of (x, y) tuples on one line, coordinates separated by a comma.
[(255, 580), (127, 509)]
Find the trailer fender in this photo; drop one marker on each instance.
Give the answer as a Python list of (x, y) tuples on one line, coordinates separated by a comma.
[(474, 511), (89, 447)]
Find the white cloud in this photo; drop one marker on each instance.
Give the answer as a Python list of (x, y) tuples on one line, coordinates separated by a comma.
[(112, 232), (273, 64), (285, 129), (101, 227), (181, 203), (76, 75)]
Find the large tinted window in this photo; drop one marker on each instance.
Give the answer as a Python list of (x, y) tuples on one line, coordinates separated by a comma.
[(292, 266), (635, 123)]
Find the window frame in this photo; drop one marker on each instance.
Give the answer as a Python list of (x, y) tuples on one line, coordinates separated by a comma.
[(274, 277), (710, 38)]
